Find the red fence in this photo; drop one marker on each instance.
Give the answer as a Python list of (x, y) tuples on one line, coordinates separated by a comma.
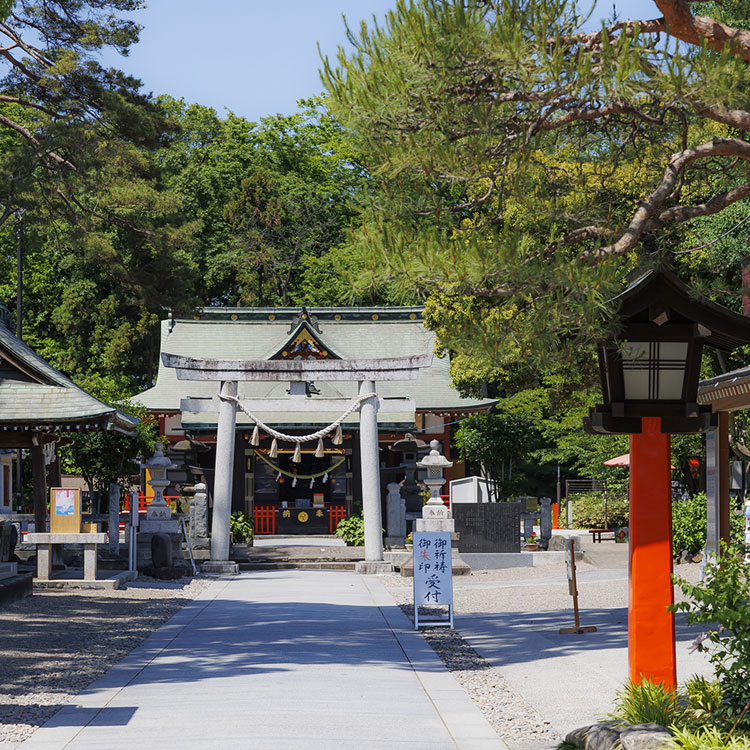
[(336, 513), (265, 519)]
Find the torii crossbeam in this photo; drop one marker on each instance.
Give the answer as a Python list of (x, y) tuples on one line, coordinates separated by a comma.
[(364, 371)]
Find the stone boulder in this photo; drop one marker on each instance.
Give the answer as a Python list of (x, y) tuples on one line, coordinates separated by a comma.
[(644, 737), (558, 543), (603, 736)]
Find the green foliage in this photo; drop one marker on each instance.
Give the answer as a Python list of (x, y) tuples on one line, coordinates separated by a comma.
[(704, 698), (241, 527), (689, 524), (706, 738), (352, 531), (498, 441), (588, 511), (102, 457), (648, 703), (722, 598), (6, 6)]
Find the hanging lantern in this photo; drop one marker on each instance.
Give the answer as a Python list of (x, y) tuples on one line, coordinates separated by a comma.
[(274, 452), (297, 457), (320, 450), (255, 439), (338, 438)]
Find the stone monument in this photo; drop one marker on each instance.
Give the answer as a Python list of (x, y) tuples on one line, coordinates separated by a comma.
[(199, 538), (395, 516)]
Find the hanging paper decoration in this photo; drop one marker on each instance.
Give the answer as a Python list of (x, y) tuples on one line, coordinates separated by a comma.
[(338, 438), (312, 482), (297, 457), (255, 439), (274, 452), (278, 476), (294, 482), (325, 477), (320, 451)]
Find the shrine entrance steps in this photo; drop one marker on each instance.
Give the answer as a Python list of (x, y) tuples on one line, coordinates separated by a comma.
[(303, 553)]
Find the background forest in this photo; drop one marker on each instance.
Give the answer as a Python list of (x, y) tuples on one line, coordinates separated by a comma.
[(490, 160)]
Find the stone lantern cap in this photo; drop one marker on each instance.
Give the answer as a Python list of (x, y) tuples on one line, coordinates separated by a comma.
[(158, 460), (408, 443), (434, 460)]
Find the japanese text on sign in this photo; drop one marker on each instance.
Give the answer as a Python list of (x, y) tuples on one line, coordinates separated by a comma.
[(433, 582)]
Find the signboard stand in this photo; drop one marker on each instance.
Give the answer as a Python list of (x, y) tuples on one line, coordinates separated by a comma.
[(433, 576), (573, 589)]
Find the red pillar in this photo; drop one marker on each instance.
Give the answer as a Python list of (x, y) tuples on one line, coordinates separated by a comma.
[(651, 644)]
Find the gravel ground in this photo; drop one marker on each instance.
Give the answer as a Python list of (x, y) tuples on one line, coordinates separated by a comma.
[(55, 643), (523, 590)]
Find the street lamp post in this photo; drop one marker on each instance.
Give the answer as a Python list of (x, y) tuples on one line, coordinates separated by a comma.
[(649, 377)]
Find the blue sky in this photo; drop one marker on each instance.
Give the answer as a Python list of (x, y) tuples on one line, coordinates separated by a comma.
[(254, 57)]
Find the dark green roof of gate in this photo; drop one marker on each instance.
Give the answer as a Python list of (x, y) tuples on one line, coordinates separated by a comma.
[(261, 333)]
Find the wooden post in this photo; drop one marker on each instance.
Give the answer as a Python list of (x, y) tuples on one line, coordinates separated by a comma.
[(651, 642), (573, 590)]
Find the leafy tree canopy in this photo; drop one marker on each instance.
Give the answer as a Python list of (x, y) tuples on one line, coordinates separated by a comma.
[(528, 164)]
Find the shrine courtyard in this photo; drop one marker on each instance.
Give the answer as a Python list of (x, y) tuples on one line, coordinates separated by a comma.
[(317, 659)]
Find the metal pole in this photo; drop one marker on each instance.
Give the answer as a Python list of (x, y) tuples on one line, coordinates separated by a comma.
[(19, 273), (224, 474), (370, 468)]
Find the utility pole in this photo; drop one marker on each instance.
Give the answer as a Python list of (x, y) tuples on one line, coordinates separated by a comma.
[(19, 273), (19, 330)]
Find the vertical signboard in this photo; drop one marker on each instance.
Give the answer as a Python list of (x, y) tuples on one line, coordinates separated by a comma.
[(433, 575), (712, 495)]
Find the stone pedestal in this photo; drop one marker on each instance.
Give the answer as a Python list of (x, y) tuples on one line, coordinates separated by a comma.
[(220, 567)]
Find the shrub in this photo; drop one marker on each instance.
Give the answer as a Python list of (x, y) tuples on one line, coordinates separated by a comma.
[(706, 738), (352, 531), (722, 597), (240, 527), (648, 703), (588, 511), (689, 524)]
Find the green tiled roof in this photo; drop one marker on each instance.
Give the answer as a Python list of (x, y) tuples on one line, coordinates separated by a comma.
[(45, 396), (396, 332)]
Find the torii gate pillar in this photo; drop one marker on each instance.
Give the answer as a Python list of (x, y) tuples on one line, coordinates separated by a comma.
[(225, 437), (370, 463)]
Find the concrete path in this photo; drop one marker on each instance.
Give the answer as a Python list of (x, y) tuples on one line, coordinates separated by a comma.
[(279, 659)]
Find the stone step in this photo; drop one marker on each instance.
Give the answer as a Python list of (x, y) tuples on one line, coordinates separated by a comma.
[(297, 564)]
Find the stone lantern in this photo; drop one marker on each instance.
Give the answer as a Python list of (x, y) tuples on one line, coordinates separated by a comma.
[(158, 465), (436, 464)]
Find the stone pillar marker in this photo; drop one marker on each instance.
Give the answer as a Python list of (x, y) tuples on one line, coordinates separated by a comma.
[(395, 516)]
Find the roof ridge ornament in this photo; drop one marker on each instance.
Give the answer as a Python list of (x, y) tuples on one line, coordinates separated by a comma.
[(304, 317)]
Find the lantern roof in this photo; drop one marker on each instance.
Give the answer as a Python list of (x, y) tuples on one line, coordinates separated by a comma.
[(658, 296)]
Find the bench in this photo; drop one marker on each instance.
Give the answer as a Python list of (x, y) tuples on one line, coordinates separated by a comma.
[(597, 533), (44, 544)]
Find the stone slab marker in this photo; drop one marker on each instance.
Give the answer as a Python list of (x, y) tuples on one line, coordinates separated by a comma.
[(114, 519)]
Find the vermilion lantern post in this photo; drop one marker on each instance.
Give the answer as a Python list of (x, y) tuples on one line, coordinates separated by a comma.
[(649, 375)]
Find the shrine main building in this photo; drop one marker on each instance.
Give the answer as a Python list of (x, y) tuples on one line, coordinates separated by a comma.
[(267, 482)]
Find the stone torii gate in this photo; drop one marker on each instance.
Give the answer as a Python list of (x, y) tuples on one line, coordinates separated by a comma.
[(297, 372)]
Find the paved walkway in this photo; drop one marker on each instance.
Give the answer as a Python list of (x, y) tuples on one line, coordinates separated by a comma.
[(277, 659)]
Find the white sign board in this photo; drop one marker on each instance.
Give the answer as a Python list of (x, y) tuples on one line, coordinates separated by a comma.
[(433, 574)]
